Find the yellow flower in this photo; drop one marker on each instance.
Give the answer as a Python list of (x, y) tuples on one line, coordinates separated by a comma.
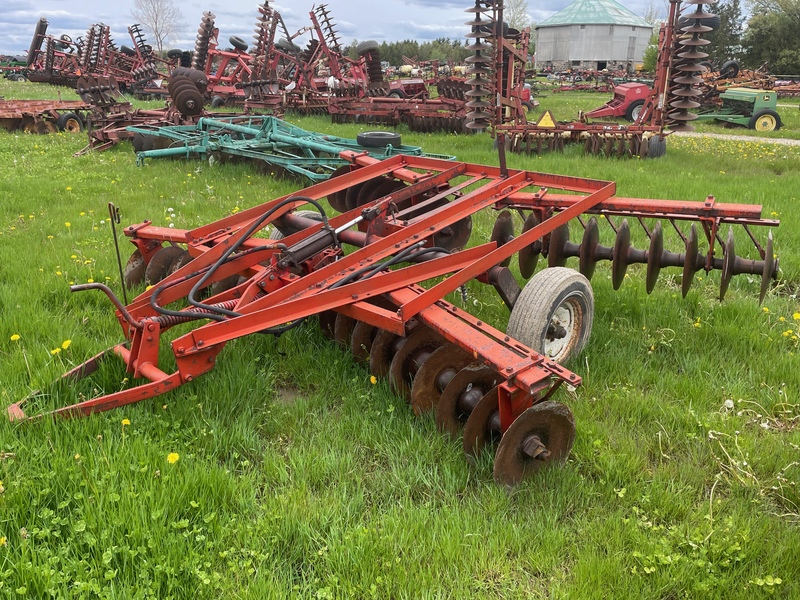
[(68, 224), (55, 351), (83, 214), (69, 189), (66, 344), (15, 337), (3, 541), (796, 316), (172, 458), (77, 457), (126, 422), (765, 309), (373, 380)]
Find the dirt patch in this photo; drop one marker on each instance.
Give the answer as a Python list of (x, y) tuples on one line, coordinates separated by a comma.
[(288, 395)]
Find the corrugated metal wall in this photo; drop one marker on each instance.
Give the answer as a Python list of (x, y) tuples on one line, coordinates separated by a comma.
[(591, 43)]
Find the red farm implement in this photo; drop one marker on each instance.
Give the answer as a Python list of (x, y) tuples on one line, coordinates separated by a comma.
[(406, 223), (43, 116)]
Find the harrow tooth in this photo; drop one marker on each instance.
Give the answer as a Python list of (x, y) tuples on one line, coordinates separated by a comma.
[(542, 434), (462, 395), (408, 360), (503, 232), (434, 375), (482, 426)]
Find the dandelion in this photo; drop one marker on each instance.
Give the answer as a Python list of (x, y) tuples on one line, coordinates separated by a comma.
[(3, 541), (173, 457), (765, 310), (796, 316), (68, 224), (90, 280), (55, 351), (83, 214), (126, 422), (373, 380), (15, 337), (66, 344), (69, 189), (77, 456), (49, 237)]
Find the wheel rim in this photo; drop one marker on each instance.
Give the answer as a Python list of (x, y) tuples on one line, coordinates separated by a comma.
[(635, 113), (72, 126), (563, 330), (766, 123)]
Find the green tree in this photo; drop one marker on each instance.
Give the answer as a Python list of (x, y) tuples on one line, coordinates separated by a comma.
[(774, 38), (726, 41)]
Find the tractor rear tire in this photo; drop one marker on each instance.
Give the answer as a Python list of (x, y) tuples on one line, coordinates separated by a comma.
[(765, 120), (378, 139), (174, 53), (553, 314), (366, 46)]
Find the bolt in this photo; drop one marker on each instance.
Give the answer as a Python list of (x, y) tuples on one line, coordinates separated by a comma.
[(262, 284), (272, 277), (181, 350), (189, 378), (506, 339), (200, 343), (509, 369), (151, 327), (480, 323)]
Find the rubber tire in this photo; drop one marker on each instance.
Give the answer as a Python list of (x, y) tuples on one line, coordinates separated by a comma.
[(707, 64), (277, 234), (396, 94), (127, 50), (729, 69), (536, 305), (174, 53), (67, 122), (378, 139), (217, 101), (767, 111), (631, 108), (656, 147), (288, 47), (238, 43), (367, 46)]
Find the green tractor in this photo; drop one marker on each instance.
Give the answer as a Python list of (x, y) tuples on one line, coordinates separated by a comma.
[(754, 109)]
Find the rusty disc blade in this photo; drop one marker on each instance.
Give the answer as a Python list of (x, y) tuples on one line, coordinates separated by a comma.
[(483, 425), (541, 435), (407, 361), (434, 375), (366, 193), (157, 267), (337, 199), (454, 236), (619, 258), (461, 396), (528, 256), (133, 273), (589, 243), (559, 238), (503, 232), (327, 321), (343, 329), (654, 257), (189, 102), (180, 260), (690, 261), (351, 196), (361, 341), (382, 351), (770, 268)]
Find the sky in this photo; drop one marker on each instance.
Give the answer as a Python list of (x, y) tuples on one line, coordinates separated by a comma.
[(381, 20)]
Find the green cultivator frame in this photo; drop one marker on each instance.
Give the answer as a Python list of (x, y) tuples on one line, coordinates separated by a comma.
[(271, 141)]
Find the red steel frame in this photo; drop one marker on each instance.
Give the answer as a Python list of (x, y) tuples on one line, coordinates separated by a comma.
[(278, 291)]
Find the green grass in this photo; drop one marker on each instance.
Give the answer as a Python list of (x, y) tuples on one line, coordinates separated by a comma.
[(296, 477)]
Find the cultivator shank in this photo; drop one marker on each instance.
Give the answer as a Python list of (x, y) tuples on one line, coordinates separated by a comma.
[(407, 224)]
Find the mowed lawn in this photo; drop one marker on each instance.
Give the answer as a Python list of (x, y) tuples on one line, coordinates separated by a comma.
[(286, 473)]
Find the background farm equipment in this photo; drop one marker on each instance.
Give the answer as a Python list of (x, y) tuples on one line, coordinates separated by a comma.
[(43, 116), (666, 107), (269, 141), (754, 109), (407, 221)]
